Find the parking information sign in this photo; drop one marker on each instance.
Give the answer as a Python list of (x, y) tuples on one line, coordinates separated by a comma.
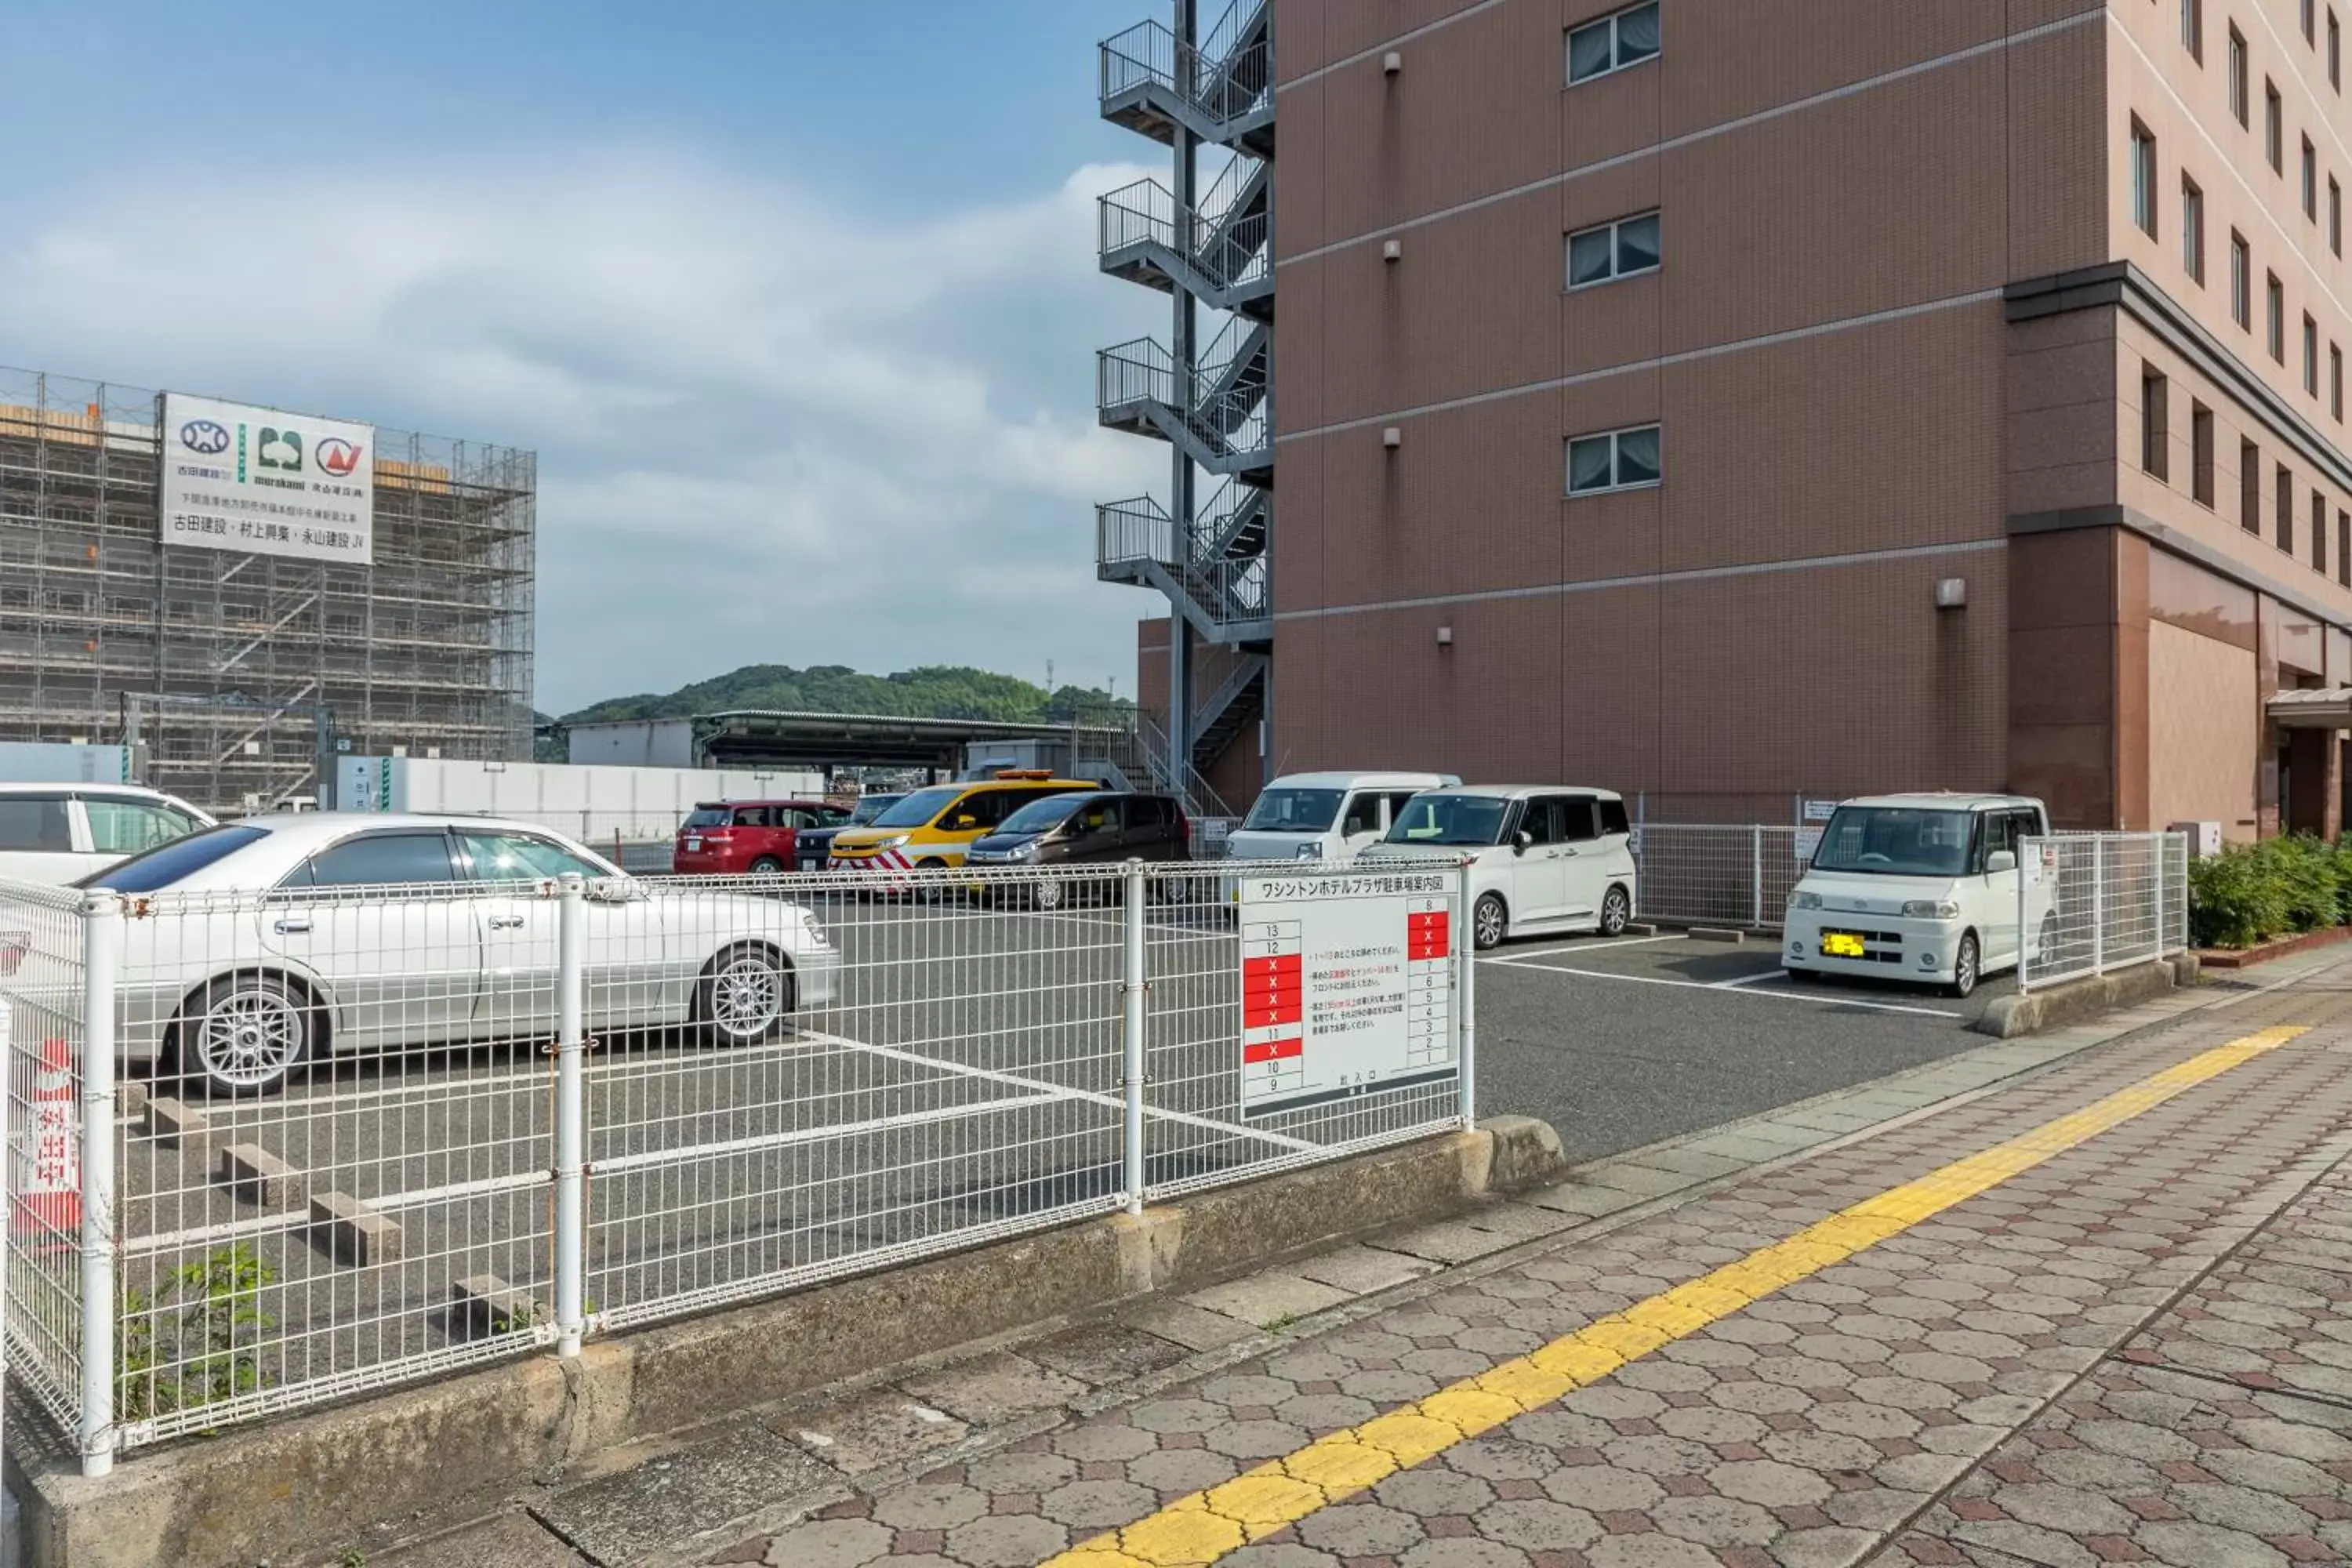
[(1347, 985), (254, 480)]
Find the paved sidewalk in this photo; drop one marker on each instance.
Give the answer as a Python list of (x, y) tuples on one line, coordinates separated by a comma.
[(2095, 1316)]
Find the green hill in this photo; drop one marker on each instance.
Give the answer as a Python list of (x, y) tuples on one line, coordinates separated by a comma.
[(934, 691)]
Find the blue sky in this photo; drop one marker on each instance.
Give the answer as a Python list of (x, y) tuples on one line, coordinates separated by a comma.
[(796, 301)]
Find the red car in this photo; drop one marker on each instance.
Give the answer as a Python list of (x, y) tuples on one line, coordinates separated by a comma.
[(730, 838)]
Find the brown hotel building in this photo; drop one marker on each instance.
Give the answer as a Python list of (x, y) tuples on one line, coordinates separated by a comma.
[(1971, 415)]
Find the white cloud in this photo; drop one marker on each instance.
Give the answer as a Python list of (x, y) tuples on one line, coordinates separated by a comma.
[(770, 428)]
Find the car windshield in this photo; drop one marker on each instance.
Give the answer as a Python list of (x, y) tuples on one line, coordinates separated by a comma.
[(166, 864), (708, 816), (1293, 811), (1039, 815), (1896, 841), (1464, 819), (872, 806), (917, 809)]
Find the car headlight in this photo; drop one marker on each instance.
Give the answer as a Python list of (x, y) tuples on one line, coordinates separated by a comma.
[(1024, 850), (1801, 900), (1931, 910), (815, 931), (1310, 852), (892, 842)]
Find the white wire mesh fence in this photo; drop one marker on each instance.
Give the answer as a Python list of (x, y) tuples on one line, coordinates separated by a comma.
[(377, 1130), (1737, 875), (2089, 902)]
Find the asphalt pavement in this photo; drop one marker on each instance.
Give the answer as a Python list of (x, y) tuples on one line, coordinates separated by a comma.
[(1620, 1042)]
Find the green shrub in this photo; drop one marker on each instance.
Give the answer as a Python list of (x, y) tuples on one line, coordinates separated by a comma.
[(2237, 899), (2305, 869)]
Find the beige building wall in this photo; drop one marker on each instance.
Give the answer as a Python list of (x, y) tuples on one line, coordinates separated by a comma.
[(2204, 721)]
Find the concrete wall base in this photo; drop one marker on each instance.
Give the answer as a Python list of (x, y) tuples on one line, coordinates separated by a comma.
[(2073, 1000), (289, 1488)]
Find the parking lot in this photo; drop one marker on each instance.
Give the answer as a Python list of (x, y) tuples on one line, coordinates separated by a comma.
[(1618, 1043), (966, 1081)]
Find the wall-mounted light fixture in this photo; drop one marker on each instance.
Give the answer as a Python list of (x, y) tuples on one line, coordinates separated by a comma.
[(1391, 438), (1391, 63), (1952, 594)]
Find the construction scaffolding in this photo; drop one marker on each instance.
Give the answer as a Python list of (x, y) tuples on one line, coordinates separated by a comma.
[(234, 673)]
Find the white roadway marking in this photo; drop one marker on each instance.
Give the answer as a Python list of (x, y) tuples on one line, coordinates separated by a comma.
[(1712, 986), (1597, 945)]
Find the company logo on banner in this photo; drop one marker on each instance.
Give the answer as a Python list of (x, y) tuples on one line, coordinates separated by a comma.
[(265, 482)]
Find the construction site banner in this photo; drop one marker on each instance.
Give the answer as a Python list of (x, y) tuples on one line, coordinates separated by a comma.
[(266, 483)]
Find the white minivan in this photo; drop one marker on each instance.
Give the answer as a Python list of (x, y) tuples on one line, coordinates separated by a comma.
[(59, 833), (1326, 816), (1918, 887), (1544, 857)]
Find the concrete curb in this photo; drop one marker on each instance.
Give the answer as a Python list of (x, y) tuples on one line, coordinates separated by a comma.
[(2073, 1000), (304, 1483)]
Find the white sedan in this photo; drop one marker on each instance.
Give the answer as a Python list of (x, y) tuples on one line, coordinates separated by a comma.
[(254, 947)]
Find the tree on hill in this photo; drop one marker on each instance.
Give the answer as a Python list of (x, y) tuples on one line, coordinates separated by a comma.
[(931, 691)]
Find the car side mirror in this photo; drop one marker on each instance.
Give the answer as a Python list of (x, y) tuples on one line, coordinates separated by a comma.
[(965, 819), (1522, 841), (2000, 860)]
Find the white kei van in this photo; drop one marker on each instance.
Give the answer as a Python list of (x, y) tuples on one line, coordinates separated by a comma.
[(59, 833), (1326, 816), (1917, 887), (1543, 857)]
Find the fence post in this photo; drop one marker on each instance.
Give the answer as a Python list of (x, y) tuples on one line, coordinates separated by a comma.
[(2099, 903), (1756, 874), (1134, 992), (101, 957), (2025, 846), (570, 1112), (1466, 966)]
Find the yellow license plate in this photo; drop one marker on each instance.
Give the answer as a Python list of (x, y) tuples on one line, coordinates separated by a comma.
[(1841, 944)]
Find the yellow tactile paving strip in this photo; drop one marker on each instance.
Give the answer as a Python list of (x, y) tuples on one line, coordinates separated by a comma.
[(1205, 1526)]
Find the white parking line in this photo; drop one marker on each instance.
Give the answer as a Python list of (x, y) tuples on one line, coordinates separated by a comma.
[(1712, 986), (1746, 980), (1592, 946)]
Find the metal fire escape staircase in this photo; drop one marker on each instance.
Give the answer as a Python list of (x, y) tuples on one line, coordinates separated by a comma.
[(1214, 406)]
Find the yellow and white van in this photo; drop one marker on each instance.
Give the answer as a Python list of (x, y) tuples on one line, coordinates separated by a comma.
[(932, 828)]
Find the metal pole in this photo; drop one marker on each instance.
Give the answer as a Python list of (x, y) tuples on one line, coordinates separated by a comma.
[(2099, 903), (101, 957), (1133, 1039), (8, 1208), (1756, 871), (2025, 846), (1465, 967), (571, 1118)]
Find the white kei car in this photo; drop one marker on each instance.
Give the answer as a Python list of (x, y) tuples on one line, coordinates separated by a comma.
[(258, 946), (59, 833), (1920, 888), (1543, 858)]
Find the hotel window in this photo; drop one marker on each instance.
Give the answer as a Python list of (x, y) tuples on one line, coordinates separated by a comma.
[(2318, 531), (2285, 540), (2310, 180), (2241, 275), (2335, 52), (2335, 215), (2274, 128), (2250, 486), (2310, 22), (2200, 453), (2155, 433), (2344, 548), (2336, 382), (2311, 356), (1616, 460), (2276, 296), (2143, 156), (2193, 228), (2237, 75), (1612, 43), (1612, 250)]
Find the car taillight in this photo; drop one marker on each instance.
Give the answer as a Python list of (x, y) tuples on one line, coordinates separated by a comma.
[(13, 945)]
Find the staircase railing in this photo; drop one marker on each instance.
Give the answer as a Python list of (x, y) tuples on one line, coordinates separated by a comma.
[(1224, 238), (1227, 76), (1227, 415)]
